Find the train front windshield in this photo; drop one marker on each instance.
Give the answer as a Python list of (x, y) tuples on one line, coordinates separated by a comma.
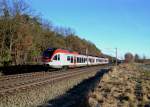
[(48, 53)]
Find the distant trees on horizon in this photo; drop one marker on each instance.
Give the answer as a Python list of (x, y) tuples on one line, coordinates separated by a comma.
[(129, 57)]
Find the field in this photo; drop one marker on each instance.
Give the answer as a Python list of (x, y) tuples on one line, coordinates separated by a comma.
[(127, 85)]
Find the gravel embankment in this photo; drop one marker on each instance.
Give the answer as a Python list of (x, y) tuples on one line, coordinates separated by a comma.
[(41, 94), (127, 85)]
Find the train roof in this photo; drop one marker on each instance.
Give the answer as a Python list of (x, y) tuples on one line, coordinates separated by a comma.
[(59, 50)]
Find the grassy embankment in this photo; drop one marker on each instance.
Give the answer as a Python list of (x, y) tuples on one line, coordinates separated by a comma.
[(127, 85)]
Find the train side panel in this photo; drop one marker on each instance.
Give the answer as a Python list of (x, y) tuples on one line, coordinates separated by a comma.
[(62, 58)]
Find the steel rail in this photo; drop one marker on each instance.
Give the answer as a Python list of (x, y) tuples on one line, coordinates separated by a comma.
[(42, 80)]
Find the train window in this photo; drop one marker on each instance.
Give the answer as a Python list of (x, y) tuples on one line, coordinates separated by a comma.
[(48, 53), (82, 59), (71, 59), (58, 58), (68, 58), (55, 57), (85, 59), (90, 60), (78, 60), (75, 60)]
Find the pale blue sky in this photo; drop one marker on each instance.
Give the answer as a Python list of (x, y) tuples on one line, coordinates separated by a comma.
[(124, 24)]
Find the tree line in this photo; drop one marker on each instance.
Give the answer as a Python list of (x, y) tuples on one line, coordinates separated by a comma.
[(129, 57), (24, 36)]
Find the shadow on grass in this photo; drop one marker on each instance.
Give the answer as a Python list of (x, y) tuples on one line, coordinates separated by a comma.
[(77, 96), (18, 69)]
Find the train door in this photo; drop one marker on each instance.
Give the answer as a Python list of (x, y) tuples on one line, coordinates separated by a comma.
[(56, 63)]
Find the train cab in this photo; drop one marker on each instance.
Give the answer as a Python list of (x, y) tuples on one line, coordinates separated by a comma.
[(58, 58)]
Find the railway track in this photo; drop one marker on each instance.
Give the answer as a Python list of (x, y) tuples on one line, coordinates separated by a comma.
[(24, 75), (23, 81), (8, 77), (11, 78)]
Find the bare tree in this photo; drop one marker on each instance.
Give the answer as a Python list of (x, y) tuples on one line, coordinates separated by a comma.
[(64, 31), (136, 58), (4, 8), (11, 23), (20, 7), (129, 57), (144, 58)]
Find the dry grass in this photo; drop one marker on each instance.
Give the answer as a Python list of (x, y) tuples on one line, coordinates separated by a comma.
[(117, 88)]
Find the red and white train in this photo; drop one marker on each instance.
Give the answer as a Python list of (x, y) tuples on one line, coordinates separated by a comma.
[(60, 58)]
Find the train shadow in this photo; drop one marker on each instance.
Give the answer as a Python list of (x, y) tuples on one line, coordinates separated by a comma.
[(19, 69), (77, 96)]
